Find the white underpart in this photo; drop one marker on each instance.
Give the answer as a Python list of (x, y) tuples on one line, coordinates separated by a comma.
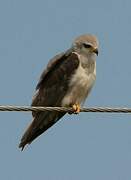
[(80, 86)]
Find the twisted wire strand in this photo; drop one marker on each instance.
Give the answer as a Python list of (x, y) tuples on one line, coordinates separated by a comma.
[(64, 109)]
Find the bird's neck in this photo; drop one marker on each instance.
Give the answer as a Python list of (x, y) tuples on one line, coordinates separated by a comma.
[(88, 63)]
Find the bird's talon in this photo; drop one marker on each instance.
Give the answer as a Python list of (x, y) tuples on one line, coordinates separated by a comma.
[(76, 108)]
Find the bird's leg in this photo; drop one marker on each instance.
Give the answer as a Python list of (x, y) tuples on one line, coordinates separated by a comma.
[(76, 108)]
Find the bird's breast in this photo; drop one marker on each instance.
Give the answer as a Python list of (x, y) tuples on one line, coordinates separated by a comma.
[(80, 85)]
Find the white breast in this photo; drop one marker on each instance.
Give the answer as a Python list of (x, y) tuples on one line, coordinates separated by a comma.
[(80, 86)]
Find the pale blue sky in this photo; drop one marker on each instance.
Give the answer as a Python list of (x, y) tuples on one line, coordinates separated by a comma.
[(88, 146)]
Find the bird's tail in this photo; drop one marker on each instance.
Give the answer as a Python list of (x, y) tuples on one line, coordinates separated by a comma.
[(27, 137), (39, 125)]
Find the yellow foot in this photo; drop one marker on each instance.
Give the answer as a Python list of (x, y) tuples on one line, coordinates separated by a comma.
[(76, 108)]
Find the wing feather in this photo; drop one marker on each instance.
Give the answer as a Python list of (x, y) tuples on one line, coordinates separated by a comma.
[(51, 89)]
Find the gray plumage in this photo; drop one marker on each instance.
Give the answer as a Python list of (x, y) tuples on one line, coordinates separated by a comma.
[(67, 80)]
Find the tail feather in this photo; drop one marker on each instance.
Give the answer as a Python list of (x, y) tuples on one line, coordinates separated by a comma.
[(26, 138), (39, 125)]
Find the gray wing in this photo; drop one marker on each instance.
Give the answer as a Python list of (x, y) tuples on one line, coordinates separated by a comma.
[(52, 63), (51, 89)]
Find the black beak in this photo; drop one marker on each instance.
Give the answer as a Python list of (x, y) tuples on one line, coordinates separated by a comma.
[(96, 51)]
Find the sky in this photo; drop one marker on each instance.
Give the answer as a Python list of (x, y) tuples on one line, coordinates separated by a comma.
[(85, 146)]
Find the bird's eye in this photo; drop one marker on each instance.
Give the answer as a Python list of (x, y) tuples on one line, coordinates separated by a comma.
[(87, 45)]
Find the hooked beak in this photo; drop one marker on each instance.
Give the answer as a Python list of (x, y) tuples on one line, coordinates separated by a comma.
[(95, 50)]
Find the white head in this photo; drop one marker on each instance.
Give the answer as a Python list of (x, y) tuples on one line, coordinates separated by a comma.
[(86, 44)]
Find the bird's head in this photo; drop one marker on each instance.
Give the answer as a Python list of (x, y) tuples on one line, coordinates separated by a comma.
[(86, 44)]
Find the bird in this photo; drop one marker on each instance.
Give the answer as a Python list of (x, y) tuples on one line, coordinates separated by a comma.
[(66, 82)]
